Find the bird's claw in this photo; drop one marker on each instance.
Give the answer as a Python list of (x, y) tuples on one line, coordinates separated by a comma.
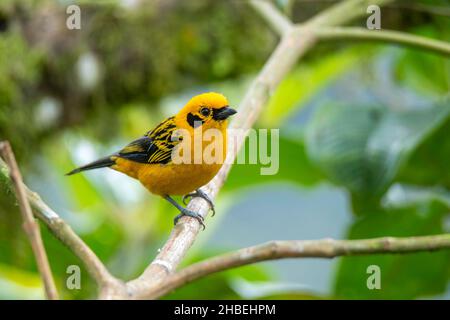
[(189, 213), (200, 194), (185, 197)]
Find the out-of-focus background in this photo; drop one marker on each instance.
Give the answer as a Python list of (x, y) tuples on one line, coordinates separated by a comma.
[(364, 142)]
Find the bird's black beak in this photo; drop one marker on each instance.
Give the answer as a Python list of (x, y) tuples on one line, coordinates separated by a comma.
[(223, 113)]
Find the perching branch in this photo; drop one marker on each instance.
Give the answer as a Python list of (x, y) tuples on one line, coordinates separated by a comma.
[(294, 43), (62, 231), (30, 225), (326, 248), (182, 237)]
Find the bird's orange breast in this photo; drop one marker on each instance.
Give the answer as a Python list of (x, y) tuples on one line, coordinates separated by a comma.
[(168, 179), (171, 178)]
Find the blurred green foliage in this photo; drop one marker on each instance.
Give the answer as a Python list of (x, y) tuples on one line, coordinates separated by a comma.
[(294, 167), (145, 53), (363, 148), (70, 95), (314, 77)]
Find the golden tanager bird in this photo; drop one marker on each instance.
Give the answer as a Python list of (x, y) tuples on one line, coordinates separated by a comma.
[(149, 159)]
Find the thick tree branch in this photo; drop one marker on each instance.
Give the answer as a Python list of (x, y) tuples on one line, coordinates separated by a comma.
[(30, 225), (63, 232), (326, 248), (395, 37)]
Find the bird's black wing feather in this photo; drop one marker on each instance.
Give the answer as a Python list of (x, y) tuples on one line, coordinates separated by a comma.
[(154, 147)]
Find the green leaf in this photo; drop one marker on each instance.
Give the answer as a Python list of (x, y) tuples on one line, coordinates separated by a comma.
[(363, 147), (428, 164), (408, 276)]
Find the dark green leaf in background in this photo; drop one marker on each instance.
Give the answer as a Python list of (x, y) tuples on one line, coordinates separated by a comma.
[(364, 147), (429, 164)]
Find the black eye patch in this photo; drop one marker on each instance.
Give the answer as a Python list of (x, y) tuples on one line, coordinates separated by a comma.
[(194, 121)]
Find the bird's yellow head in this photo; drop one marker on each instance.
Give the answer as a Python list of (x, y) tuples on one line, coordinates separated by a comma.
[(208, 110)]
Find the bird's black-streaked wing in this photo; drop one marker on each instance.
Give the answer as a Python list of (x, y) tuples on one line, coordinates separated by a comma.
[(154, 147)]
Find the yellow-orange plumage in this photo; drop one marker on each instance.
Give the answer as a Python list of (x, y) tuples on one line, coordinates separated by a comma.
[(168, 179), (149, 159)]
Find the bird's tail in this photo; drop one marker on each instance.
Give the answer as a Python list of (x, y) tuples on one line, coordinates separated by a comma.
[(100, 163)]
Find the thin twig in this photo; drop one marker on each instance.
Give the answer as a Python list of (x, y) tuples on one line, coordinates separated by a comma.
[(326, 248), (278, 21), (395, 37), (343, 12), (30, 225), (422, 8)]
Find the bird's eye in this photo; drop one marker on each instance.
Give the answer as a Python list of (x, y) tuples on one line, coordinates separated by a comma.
[(205, 112)]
